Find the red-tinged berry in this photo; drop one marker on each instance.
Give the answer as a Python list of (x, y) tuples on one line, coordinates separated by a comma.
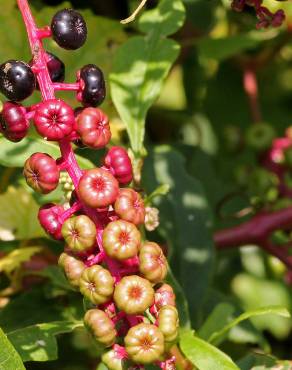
[(72, 267), (164, 295), (121, 240), (130, 206), (119, 163), (79, 233), (93, 128), (101, 327), (13, 123), (168, 323), (41, 173), (69, 29), (48, 216), (153, 264), (133, 295), (54, 119), (144, 343), (97, 284), (92, 85), (98, 188), (17, 80), (113, 361)]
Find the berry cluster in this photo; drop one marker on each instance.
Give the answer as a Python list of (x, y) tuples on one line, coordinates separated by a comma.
[(131, 310), (265, 17)]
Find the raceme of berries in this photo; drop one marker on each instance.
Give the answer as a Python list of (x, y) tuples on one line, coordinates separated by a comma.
[(105, 257), (79, 233), (121, 240), (97, 284), (93, 128), (54, 119), (144, 343), (41, 173), (72, 267), (48, 216), (17, 80), (98, 188), (92, 85), (69, 29), (153, 264), (130, 206), (134, 295), (13, 122), (101, 327), (119, 163)]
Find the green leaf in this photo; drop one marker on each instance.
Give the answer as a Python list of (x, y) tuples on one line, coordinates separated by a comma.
[(275, 310), (38, 342), (141, 65), (9, 358), (56, 276), (15, 154), (203, 355), (14, 259)]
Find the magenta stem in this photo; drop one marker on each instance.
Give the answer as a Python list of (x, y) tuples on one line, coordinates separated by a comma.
[(44, 32), (67, 86), (69, 212)]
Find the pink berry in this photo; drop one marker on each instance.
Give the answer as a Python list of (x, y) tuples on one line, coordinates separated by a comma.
[(98, 188), (54, 119), (93, 128), (13, 123), (119, 163), (49, 219), (130, 206), (41, 173)]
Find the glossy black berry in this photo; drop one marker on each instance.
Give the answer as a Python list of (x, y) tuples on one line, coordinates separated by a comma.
[(69, 29), (56, 68), (17, 80), (92, 85)]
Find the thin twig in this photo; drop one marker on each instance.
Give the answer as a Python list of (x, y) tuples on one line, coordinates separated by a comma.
[(135, 13)]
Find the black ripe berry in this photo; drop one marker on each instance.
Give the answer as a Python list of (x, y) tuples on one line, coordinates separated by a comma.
[(17, 80), (56, 68), (93, 85), (69, 29)]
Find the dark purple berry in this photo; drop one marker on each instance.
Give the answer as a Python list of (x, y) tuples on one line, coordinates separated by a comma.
[(69, 29), (17, 80), (56, 68), (13, 123), (92, 85)]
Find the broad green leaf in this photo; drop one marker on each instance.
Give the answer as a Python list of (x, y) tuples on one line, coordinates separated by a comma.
[(281, 311), (38, 342), (18, 215), (203, 355), (14, 259), (15, 154), (185, 223), (56, 277), (9, 358)]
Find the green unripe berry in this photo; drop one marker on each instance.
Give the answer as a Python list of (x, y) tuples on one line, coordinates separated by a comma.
[(153, 264), (96, 284), (260, 136), (73, 268), (101, 327), (168, 322), (113, 362)]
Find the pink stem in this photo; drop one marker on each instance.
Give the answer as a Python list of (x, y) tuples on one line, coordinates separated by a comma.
[(251, 89), (69, 212), (66, 86), (44, 32)]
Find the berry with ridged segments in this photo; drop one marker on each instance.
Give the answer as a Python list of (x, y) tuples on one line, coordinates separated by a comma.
[(130, 206), (164, 295), (79, 233), (113, 361), (48, 216), (101, 327), (17, 80), (153, 264), (119, 163), (54, 119), (93, 128), (121, 240), (92, 85), (97, 284), (41, 173), (13, 123), (133, 295), (168, 323), (144, 343), (72, 267), (98, 188), (69, 29)]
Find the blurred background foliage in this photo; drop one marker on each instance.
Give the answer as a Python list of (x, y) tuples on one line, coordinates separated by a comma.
[(182, 63)]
